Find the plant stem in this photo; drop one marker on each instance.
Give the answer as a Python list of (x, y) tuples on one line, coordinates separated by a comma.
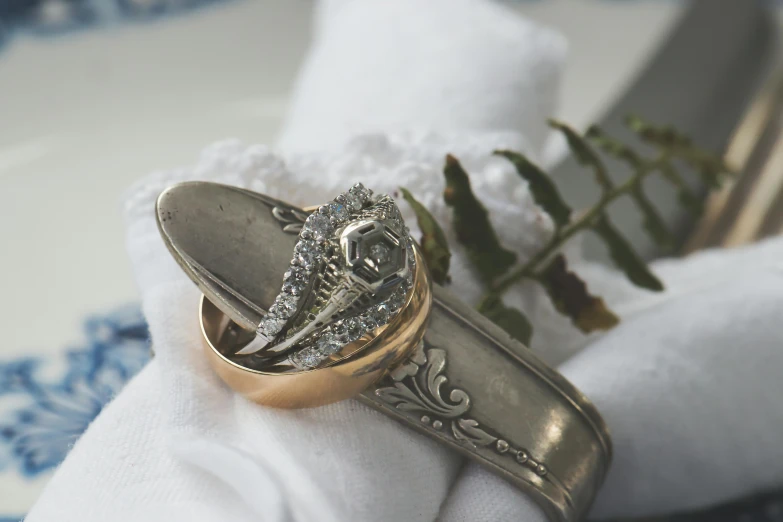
[(563, 234)]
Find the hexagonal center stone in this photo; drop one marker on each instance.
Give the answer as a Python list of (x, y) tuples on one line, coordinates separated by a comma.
[(375, 253)]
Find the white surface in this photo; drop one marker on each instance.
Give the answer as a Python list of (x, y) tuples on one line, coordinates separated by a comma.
[(434, 82)]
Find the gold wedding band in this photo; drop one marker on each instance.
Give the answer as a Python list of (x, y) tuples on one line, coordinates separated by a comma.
[(359, 365)]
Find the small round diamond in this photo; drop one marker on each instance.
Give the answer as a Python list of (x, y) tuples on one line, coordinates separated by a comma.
[(338, 210), (381, 313), (320, 225), (272, 325), (396, 301), (294, 280), (353, 202), (380, 253), (350, 330), (308, 253), (328, 344), (360, 192), (369, 323), (288, 303), (307, 358)]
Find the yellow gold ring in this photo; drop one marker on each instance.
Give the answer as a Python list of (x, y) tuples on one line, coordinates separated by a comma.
[(359, 365)]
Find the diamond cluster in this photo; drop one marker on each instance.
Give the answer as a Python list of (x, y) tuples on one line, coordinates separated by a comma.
[(309, 251), (332, 339)]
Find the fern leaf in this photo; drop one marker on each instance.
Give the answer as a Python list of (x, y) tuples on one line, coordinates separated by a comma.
[(711, 168), (472, 226), (567, 291), (624, 256), (570, 296), (511, 320), (584, 154), (434, 246), (651, 220), (685, 194), (665, 137), (614, 147), (541, 186)]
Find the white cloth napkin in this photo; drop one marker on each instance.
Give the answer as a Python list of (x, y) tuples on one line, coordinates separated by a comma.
[(431, 66), (689, 382)]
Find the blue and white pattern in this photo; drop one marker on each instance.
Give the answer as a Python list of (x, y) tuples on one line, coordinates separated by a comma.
[(48, 17), (49, 415)]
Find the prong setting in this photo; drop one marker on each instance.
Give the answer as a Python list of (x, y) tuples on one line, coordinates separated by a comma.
[(350, 274)]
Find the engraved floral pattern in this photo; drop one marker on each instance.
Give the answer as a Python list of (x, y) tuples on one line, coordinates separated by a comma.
[(421, 386), (423, 392)]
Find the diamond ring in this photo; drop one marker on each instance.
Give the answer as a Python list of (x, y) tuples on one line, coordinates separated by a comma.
[(351, 272)]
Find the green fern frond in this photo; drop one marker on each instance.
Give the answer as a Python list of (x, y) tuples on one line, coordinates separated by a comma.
[(513, 321), (472, 226), (433, 243), (547, 267)]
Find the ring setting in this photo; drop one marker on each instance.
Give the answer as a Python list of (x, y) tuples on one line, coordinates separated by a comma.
[(350, 274)]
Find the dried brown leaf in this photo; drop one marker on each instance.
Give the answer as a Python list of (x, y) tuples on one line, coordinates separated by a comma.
[(570, 296)]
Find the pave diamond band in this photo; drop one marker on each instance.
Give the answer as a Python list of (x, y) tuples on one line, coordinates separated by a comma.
[(351, 329), (350, 274)]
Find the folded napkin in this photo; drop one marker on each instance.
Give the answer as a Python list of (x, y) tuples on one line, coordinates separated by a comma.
[(688, 382)]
